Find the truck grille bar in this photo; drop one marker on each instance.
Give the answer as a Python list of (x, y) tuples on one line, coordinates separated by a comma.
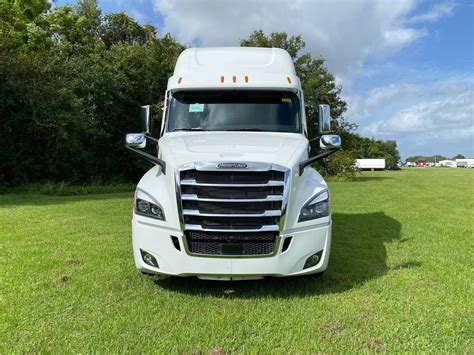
[(236, 200), (272, 213), (193, 182), (223, 202), (266, 228)]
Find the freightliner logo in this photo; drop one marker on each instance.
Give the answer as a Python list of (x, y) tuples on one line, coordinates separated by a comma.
[(232, 166)]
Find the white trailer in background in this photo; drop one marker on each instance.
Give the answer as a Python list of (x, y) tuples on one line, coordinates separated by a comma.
[(465, 163), (448, 164), (370, 164)]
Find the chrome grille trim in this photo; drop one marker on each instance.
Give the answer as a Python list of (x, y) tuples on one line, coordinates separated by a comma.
[(192, 182), (251, 166), (196, 198), (268, 213), (223, 215), (264, 228)]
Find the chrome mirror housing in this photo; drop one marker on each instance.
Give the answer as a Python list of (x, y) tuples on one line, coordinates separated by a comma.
[(330, 141), (135, 140), (145, 112), (324, 122)]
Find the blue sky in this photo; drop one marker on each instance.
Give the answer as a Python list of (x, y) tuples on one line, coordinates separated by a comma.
[(405, 66)]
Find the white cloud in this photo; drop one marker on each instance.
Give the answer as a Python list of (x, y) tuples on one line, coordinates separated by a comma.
[(138, 15), (435, 13), (406, 107), (401, 37), (427, 116), (435, 118), (345, 33), (384, 94), (380, 102)]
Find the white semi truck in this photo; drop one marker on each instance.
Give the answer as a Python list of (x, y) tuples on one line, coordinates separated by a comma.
[(232, 194)]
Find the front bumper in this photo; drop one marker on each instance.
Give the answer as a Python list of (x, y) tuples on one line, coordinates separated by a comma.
[(157, 241)]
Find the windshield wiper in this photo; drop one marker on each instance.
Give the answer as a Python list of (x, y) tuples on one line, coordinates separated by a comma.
[(190, 129)]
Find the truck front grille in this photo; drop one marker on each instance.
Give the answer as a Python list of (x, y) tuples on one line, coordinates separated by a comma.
[(218, 243), (232, 177), (232, 205)]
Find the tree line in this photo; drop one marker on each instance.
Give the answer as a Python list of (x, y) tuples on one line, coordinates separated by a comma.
[(72, 80), (433, 158)]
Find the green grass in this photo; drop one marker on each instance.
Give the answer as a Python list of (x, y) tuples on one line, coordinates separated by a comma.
[(400, 278), (67, 189)]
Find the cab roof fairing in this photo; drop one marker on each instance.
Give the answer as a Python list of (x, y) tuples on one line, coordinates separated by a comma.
[(234, 68)]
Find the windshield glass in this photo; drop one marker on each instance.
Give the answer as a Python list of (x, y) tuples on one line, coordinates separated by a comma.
[(236, 110)]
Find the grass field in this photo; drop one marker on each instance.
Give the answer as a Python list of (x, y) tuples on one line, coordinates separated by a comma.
[(400, 278)]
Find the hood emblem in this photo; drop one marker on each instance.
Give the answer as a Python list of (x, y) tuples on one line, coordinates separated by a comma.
[(232, 166)]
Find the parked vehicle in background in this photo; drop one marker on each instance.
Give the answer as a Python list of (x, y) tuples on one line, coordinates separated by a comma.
[(393, 167), (465, 163), (447, 164), (370, 164), (232, 194)]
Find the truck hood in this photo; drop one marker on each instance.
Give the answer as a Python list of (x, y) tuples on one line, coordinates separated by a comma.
[(276, 148)]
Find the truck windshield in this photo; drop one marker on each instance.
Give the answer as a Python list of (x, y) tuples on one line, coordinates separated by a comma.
[(236, 110)]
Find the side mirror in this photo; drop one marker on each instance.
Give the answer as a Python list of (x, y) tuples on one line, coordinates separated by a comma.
[(138, 140), (135, 140), (146, 119), (330, 141), (324, 122)]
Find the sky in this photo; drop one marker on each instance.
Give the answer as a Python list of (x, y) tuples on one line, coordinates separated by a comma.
[(405, 66)]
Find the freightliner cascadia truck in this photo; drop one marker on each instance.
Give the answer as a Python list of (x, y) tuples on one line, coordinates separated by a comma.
[(232, 194)]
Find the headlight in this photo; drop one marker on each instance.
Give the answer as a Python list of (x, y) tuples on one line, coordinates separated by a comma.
[(317, 207), (147, 206)]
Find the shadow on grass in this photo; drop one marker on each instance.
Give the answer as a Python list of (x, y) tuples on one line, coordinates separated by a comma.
[(358, 254)]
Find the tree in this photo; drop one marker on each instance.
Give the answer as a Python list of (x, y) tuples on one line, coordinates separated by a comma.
[(19, 22), (459, 156), (120, 28), (341, 164), (429, 159), (72, 81), (318, 83), (367, 148), (320, 87), (72, 84)]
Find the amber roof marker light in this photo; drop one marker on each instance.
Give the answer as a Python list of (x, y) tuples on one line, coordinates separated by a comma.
[(222, 78), (246, 78), (180, 80), (289, 79), (234, 79)]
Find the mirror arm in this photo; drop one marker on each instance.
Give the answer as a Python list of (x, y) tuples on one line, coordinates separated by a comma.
[(311, 141), (150, 158), (152, 139), (312, 160)]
